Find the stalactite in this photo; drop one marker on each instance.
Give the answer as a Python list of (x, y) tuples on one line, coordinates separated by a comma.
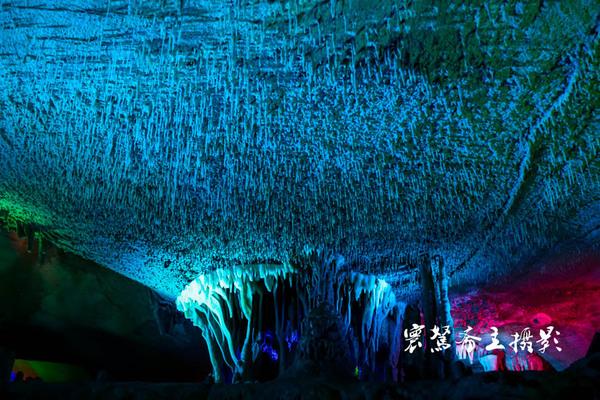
[(222, 302), (209, 302)]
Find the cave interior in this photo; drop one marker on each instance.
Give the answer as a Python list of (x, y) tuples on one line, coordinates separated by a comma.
[(299, 199)]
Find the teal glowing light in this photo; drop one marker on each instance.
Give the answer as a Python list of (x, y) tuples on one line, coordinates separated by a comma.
[(223, 301), (213, 300)]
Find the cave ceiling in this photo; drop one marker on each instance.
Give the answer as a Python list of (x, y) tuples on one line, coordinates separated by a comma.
[(163, 139)]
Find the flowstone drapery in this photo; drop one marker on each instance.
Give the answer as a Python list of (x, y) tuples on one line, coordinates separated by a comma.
[(248, 310), (221, 303)]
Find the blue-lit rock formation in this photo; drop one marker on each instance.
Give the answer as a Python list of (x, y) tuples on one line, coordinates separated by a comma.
[(229, 306), (165, 139), (208, 148)]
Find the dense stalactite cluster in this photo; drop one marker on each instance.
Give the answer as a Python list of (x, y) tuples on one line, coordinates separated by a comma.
[(164, 139), (223, 303)]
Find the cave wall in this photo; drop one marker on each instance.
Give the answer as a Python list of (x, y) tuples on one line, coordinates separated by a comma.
[(68, 310), (560, 290)]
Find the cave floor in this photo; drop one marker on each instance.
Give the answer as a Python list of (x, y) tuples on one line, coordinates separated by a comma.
[(581, 381)]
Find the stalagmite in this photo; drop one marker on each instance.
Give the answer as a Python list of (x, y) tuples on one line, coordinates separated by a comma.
[(444, 306)]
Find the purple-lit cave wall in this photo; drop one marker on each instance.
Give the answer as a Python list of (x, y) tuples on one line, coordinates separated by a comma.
[(564, 293)]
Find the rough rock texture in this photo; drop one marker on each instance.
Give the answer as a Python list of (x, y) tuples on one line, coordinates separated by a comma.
[(165, 138), (323, 341), (563, 292)]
